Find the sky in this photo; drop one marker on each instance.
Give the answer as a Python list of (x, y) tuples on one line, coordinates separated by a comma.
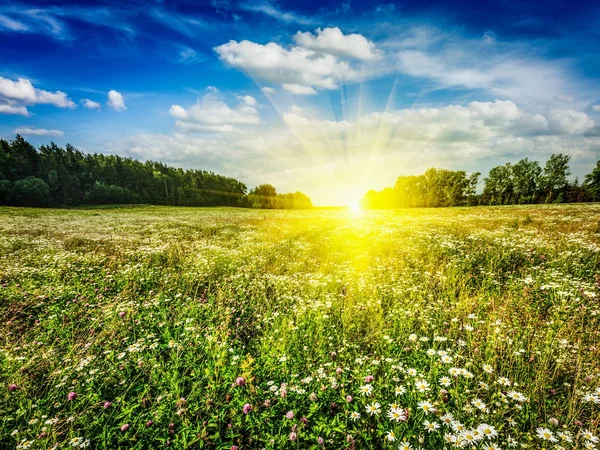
[(328, 98)]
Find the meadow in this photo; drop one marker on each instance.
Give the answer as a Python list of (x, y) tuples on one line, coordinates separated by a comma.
[(223, 328)]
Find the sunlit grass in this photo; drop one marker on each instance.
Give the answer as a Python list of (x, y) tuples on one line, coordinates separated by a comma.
[(216, 328)]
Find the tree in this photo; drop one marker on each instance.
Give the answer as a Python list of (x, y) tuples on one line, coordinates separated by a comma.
[(592, 183), (499, 186), (30, 191), (526, 179), (555, 176)]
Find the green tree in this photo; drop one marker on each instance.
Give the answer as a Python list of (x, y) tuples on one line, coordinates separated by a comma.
[(592, 183), (555, 176)]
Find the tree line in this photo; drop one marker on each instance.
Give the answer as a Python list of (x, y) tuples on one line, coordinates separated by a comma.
[(55, 176), (525, 182)]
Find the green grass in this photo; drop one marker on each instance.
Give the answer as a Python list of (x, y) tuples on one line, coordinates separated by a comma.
[(160, 310)]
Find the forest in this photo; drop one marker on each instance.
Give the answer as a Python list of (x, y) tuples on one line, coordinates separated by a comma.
[(525, 182), (52, 176)]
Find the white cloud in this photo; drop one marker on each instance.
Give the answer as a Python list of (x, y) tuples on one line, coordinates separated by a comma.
[(11, 108), (11, 24), (334, 42), (90, 104), (272, 11), (596, 108), (212, 114), (267, 90), (333, 160), (116, 101), (297, 66), (31, 131), (248, 100), (298, 89), (23, 90), (510, 70), (569, 122)]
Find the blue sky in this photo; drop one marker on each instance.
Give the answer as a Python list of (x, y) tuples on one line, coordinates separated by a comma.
[(331, 98)]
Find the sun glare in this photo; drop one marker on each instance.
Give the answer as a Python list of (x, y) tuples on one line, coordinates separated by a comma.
[(354, 206)]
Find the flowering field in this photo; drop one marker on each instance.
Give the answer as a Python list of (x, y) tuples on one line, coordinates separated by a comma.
[(228, 328)]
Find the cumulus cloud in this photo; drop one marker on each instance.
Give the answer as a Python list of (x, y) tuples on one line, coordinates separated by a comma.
[(116, 101), (90, 104), (297, 66), (596, 108), (334, 159), (11, 108), (23, 91), (248, 100), (212, 114), (298, 89), (31, 131), (334, 42), (267, 90)]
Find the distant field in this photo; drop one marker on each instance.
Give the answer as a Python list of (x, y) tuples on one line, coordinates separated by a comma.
[(216, 328)]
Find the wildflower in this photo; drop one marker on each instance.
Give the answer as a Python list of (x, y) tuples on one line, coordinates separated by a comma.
[(431, 427), (487, 430), (405, 446), (503, 381), (12, 387), (124, 427), (588, 436), (422, 385), (490, 446), (397, 414), (426, 406), (373, 408), (248, 408), (289, 415), (545, 434), (349, 398), (320, 440), (367, 389), (391, 436), (447, 419), (240, 381), (399, 390), (354, 415), (369, 378), (445, 381), (487, 368), (107, 404), (72, 395)]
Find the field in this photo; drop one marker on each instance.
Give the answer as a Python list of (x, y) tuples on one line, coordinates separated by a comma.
[(228, 328)]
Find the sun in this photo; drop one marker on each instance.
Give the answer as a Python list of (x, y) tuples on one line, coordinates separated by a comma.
[(354, 206)]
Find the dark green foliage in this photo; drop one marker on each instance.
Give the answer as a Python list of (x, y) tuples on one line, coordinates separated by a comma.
[(109, 194), (55, 176), (592, 183), (30, 191)]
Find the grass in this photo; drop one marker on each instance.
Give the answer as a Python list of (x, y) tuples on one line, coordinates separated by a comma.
[(222, 328)]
